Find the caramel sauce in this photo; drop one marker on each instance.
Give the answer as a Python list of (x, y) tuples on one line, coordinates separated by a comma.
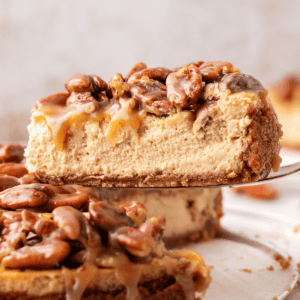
[(76, 283), (65, 118)]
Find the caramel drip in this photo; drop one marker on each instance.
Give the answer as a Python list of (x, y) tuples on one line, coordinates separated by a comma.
[(126, 118), (77, 282), (63, 119), (129, 274)]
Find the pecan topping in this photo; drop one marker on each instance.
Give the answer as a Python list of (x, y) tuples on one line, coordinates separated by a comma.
[(184, 87), (22, 196), (85, 84), (76, 226), (135, 211), (196, 63), (43, 197), (136, 68), (214, 70), (43, 255), (11, 153), (13, 169), (7, 182), (159, 74), (153, 95), (107, 218), (119, 87), (238, 82)]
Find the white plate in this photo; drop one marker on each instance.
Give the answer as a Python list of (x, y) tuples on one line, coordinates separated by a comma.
[(240, 269)]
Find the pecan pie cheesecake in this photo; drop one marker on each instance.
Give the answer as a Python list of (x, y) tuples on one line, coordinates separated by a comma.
[(285, 98), (201, 124), (108, 253)]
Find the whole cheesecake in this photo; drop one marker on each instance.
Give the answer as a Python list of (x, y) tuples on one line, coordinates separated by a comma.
[(108, 253), (201, 124)]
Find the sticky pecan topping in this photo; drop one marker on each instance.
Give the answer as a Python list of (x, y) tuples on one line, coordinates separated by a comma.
[(119, 88), (214, 70), (185, 87), (136, 68), (46, 241), (159, 74)]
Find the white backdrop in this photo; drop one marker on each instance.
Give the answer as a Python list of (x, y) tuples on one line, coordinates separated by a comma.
[(43, 43)]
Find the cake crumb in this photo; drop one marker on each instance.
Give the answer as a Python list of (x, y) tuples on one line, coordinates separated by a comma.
[(260, 192), (298, 265), (271, 268), (275, 298), (246, 270), (296, 228), (284, 263)]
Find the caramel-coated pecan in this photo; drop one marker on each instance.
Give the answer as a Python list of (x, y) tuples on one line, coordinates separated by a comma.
[(153, 96), (135, 211), (23, 196), (13, 169), (238, 82), (184, 87), (45, 255), (154, 227), (81, 83), (42, 227), (59, 99), (213, 70), (76, 226), (76, 200), (195, 63), (136, 68), (118, 87), (7, 182), (11, 153), (135, 241), (159, 74), (28, 179), (107, 218)]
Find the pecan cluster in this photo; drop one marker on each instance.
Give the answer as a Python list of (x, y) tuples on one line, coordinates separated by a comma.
[(69, 237), (156, 90)]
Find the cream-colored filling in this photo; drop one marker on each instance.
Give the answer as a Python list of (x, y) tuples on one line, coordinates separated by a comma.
[(185, 210), (168, 144)]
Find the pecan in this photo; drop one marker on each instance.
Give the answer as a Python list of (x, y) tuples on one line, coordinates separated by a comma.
[(40, 226), (7, 182), (159, 74), (44, 255), (81, 83), (238, 82), (135, 241), (13, 169), (59, 99), (22, 196), (106, 217), (184, 87), (11, 153), (153, 96), (118, 87), (76, 200), (76, 226), (135, 211), (136, 68), (195, 63), (140, 242), (154, 227), (28, 179), (213, 70)]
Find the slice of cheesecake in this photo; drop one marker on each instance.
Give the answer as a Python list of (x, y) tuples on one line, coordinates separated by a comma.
[(200, 124), (109, 253)]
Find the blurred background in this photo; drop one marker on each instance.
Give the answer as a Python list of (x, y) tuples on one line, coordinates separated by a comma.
[(44, 43)]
